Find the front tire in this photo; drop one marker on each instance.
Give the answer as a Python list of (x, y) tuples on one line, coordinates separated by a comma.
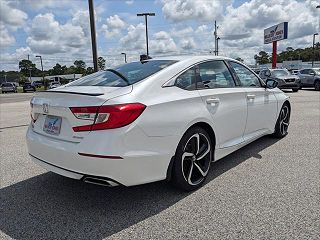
[(317, 85), (295, 89), (282, 125), (192, 159)]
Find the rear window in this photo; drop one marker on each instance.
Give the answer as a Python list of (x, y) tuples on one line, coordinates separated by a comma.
[(133, 72), (7, 85)]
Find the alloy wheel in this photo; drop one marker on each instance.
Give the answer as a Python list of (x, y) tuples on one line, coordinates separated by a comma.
[(284, 120), (196, 159)]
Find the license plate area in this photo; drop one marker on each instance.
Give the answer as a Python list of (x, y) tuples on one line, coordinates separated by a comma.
[(52, 125)]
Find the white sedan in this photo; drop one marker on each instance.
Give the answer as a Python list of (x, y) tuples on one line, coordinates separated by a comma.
[(165, 118)]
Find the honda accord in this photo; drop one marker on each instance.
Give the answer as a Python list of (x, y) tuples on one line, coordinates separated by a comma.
[(163, 118)]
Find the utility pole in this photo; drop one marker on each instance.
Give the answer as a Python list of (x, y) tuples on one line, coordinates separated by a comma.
[(215, 38), (218, 45), (125, 57), (44, 83), (93, 36), (313, 44), (29, 70), (146, 21)]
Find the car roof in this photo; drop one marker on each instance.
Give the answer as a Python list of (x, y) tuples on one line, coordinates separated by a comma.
[(191, 57)]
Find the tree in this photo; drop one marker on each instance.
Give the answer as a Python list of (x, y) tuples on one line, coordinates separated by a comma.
[(80, 66), (101, 63), (58, 70), (239, 59), (25, 66), (89, 70), (22, 80), (262, 57)]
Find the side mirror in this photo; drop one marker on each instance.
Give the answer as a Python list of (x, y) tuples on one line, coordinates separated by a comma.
[(270, 83), (267, 73)]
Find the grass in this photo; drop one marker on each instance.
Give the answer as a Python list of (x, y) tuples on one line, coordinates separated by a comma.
[(20, 89)]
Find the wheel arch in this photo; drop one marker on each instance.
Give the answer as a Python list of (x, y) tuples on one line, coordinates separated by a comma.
[(207, 127)]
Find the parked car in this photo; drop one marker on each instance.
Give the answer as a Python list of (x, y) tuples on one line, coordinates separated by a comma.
[(285, 79), (54, 85), (37, 84), (310, 77), (163, 118), (8, 87), (294, 71), (28, 87)]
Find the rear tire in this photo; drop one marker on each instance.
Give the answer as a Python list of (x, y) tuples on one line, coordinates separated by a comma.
[(192, 159), (295, 89), (281, 128), (317, 85)]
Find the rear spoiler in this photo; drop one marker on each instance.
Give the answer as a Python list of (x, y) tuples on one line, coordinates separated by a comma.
[(76, 93)]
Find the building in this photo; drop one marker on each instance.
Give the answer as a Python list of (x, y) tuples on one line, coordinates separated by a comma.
[(66, 78)]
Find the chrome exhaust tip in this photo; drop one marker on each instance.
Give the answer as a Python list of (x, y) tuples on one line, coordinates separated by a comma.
[(100, 181)]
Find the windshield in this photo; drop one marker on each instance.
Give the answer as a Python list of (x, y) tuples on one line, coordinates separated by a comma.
[(317, 70), (280, 73), (131, 72)]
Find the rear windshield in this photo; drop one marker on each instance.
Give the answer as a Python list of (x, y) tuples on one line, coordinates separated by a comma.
[(132, 72), (7, 85)]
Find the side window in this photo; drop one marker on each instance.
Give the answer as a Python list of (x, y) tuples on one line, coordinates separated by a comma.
[(186, 80), (246, 77), (263, 74), (215, 74)]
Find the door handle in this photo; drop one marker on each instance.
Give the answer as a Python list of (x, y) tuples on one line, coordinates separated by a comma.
[(251, 96), (213, 100)]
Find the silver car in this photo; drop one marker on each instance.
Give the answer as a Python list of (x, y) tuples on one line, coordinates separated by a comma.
[(310, 77), (8, 87), (285, 79)]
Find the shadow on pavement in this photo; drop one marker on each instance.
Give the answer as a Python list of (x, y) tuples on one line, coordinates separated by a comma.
[(49, 206)]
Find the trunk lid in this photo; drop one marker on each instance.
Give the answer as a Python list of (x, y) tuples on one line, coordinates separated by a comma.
[(54, 105)]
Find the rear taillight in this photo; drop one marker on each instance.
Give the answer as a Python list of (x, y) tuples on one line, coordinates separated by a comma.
[(33, 115), (107, 116)]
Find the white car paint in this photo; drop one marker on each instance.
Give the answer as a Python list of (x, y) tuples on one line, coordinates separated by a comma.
[(147, 145)]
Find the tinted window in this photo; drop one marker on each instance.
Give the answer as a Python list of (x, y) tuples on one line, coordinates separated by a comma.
[(305, 71), (215, 74), (133, 72), (246, 77), (7, 85), (186, 80)]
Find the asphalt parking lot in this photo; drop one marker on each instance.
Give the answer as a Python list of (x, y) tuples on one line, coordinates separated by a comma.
[(267, 190)]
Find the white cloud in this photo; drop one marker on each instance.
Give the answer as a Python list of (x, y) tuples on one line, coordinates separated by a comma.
[(241, 31), (181, 32), (11, 16), (162, 43), (6, 39), (135, 38), (113, 26), (48, 36), (187, 43), (130, 2), (180, 10)]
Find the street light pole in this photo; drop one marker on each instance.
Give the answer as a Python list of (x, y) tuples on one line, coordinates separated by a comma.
[(93, 36), (44, 83), (146, 21), (313, 43), (125, 57), (218, 46)]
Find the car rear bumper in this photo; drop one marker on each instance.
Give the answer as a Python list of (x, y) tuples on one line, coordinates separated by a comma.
[(114, 160)]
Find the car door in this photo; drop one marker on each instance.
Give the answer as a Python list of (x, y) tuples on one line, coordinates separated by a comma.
[(311, 77), (225, 101), (261, 102), (306, 78)]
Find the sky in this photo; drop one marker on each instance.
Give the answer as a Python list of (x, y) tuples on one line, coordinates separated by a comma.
[(59, 30)]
